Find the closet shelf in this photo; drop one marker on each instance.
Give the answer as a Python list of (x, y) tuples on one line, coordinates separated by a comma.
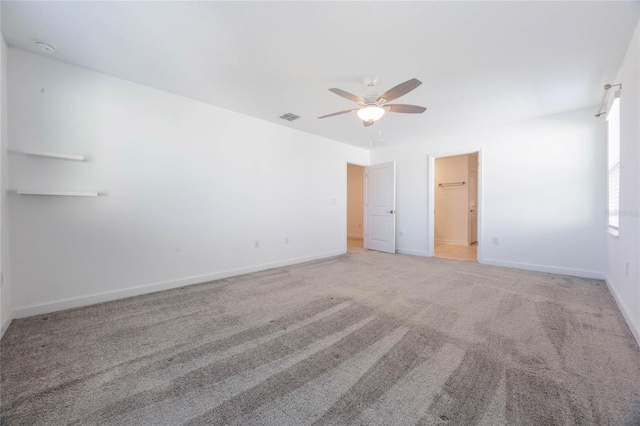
[(442, 185), (53, 155), (59, 193)]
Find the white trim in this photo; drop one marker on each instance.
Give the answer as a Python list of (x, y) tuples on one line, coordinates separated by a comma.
[(413, 252), (480, 204), (77, 302), (431, 202), (6, 324), (584, 273), (58, 193), (53, 155), (635, 328)]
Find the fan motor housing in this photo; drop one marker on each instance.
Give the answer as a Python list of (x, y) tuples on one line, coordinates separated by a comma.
[(370, 99)]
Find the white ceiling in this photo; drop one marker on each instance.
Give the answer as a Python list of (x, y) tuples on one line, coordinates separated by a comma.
[(481, 63)]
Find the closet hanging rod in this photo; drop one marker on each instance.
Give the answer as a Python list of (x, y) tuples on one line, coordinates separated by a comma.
[(442, 185), (604, 97)]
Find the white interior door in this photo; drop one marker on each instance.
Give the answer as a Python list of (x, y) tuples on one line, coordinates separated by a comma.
[(473, 206), (380, 205)]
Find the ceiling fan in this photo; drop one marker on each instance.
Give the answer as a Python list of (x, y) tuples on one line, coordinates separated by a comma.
[(373, 107)]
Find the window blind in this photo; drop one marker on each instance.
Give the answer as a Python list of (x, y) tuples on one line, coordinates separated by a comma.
[(613, 121)]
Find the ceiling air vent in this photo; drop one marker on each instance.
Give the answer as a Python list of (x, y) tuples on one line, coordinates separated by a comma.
[(289, 116)]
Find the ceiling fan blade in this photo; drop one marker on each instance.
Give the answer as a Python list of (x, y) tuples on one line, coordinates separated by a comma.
[(348, 95), (367, 123), (338, 113), (409, 109), (400, 90)]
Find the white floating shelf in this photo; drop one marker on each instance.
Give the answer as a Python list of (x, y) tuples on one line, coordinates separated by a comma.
[(59, 193), (53, 155)]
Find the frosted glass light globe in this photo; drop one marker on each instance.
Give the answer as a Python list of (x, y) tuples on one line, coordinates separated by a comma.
[(370, 113)]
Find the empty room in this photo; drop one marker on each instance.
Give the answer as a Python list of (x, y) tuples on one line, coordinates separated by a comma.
[(319, 213)]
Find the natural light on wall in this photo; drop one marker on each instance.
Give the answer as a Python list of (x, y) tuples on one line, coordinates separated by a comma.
[(613, 121)]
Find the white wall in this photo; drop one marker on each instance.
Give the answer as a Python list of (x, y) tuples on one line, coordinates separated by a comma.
[(355, 201), (5, 286), (542, 192), (452, 202), (188, 188), (625, 248)]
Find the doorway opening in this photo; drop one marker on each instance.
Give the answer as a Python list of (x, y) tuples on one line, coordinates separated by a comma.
[(455, 201), (355, 207)]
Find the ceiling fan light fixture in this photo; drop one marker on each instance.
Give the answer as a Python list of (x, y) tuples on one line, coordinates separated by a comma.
[(372, 108), (370, 113)]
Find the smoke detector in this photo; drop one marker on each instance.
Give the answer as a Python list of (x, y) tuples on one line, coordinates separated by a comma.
[(45, 47), (370, 80)]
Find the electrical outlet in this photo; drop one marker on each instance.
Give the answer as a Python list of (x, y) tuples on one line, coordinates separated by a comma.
[(286, 240), (399, 233), (626, 269), (333, 201), (494, 240), (257, 244)]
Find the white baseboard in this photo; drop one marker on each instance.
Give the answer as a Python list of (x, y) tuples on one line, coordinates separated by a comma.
[(633, 326), (354, 237), (413, 252), (584, 273), (452, 242), (92, 299), (6, 324)]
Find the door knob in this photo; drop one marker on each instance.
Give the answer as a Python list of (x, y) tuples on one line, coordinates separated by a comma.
[(390, 211)]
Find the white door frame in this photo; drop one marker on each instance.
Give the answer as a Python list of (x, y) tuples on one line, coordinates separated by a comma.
[(431, 177)]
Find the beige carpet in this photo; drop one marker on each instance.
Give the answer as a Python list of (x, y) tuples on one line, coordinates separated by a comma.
[(366, 338)]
